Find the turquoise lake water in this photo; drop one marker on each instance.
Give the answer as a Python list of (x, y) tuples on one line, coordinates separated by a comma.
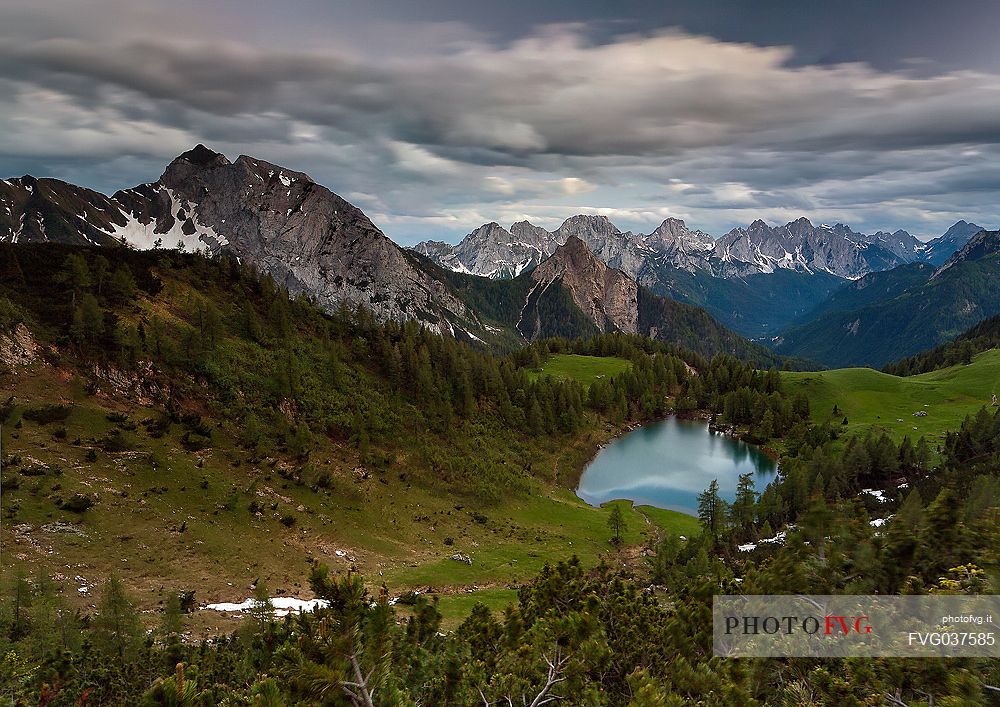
[(667, 464)]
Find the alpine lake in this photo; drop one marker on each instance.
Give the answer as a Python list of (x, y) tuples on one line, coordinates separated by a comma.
[(667, 463)]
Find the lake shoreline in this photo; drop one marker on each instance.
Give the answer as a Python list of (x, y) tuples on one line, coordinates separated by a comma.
[(639, 464)]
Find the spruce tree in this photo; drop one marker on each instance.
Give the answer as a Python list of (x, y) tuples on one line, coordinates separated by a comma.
[(616, 522), (117, 629), (711, 509)]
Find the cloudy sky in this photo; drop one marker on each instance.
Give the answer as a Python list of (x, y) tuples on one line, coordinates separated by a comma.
[(437, 116)]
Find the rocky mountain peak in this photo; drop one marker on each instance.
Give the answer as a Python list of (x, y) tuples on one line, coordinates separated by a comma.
[(188, 165), (941, 248), (960, 225), (574, 249), (587, 223), (527, 232), (201, 156), (607, 296), (573, 255), (673, 234), (982, 245)]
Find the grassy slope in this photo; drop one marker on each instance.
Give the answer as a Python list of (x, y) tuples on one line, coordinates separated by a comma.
[(584, 369), (393, 531), (874, 400)]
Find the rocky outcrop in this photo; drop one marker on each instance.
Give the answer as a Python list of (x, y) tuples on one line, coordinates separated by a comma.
[(604, 294), (17, 349)]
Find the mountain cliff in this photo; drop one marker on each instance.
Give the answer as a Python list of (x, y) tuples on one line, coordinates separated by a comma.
[(607, 296)]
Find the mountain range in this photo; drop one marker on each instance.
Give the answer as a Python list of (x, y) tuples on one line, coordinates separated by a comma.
[(823, 293), (315, 243), (804, 263), (889, 315)]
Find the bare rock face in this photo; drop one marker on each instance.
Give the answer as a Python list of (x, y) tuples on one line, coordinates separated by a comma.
[(606, 295), (493, 251), (799, 245), (679, 246), (17, 349), (619, 250), (307, 238)]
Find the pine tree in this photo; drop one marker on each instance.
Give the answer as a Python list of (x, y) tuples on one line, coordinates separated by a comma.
[(261, 608), (742, 509), (711, 510), (76, 276), (616, 522), (173, 618), (121, 286), (117, 629)]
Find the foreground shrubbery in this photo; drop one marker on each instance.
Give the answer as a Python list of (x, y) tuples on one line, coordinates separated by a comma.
[(639, 635)]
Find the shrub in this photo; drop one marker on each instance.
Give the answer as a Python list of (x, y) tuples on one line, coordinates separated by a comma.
[(6, 408), (78, 503), (408, 598), (157, 426), (47, 414), (116, 441), (288, 520), (194, 442)]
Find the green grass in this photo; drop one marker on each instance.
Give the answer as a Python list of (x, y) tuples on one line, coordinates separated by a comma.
[(522, 537), (672, 522), (393, 531), (872, 400), (584, 369)]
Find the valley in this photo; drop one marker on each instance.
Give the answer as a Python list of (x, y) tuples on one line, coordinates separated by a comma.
[(183, 423), (185, 500), (440, 354)]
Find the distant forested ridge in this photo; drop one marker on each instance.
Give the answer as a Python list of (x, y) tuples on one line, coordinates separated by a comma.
[(982, 337)]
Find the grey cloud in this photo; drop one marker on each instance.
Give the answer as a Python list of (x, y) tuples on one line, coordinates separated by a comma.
[(442, 122)]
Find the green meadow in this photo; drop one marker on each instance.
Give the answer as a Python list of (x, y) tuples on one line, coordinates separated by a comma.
[(871, 400), (584, 369)]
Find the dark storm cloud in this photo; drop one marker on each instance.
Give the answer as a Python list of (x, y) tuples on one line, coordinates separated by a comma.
[(452, 119)]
